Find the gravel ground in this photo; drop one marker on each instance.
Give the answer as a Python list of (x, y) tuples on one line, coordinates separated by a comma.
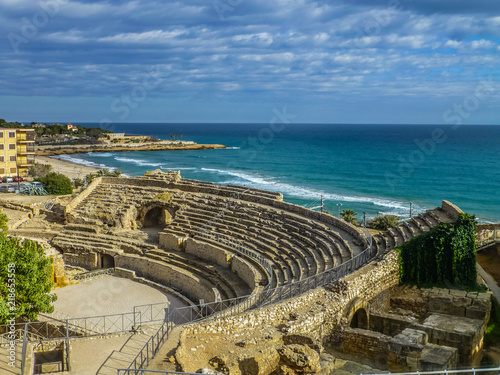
[(107, 295)]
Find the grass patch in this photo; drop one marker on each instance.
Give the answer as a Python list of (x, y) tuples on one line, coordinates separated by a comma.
[(492, 334)]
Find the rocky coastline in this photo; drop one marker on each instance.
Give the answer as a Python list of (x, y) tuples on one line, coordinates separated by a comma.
[(52, 150)]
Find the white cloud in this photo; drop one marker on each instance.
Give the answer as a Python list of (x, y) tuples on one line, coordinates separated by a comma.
[(154, 36), (481, 44)]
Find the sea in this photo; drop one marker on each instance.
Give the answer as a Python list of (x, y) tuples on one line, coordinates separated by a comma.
[(371, 169)]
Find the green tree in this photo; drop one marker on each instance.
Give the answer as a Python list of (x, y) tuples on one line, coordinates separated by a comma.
[(349, 215), (57, 184), (383, 222), (25, 278)]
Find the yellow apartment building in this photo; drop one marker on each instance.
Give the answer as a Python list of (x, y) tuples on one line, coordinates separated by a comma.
[(17, 151)]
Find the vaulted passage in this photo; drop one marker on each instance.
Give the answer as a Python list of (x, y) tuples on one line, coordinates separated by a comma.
[(360, 319), (154, 217), (107, 261)]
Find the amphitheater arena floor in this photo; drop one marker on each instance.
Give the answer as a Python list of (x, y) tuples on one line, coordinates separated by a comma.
[(108, 295)]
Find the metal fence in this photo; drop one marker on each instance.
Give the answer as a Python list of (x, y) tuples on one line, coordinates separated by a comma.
[(235, 306), (471, 371), (487, 237), (53, 327)]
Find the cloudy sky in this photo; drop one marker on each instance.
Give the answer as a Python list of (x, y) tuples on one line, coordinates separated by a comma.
[(344, 61)]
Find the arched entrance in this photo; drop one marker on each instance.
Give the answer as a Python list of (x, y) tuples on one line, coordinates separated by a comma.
[(360, 319), (357, 314), (153, 217), (107, 261)]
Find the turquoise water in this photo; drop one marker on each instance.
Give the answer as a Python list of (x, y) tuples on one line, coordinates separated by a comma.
[(367, 168)]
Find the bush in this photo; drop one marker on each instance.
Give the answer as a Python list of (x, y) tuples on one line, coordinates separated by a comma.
[(39, 170), (57, 184), (383, 222), (445, 256)]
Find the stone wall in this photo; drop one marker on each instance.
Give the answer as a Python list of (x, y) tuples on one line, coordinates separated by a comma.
[(88, 261), (189, 284), (424, 302), (371, 347)]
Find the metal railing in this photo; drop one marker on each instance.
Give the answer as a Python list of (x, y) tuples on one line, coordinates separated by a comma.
[(471, 371), (487, 237), (60, 327), (152, 372)]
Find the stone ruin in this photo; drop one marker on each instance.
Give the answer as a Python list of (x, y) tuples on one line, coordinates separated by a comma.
[(198, 228), (189, 235)]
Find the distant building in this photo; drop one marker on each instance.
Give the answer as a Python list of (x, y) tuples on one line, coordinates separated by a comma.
[(71, 127), (38, 126), (17, 151), (124, 137)]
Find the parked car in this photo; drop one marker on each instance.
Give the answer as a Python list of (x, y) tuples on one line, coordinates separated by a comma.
[(7, 179), (1, 179), (18, 179)]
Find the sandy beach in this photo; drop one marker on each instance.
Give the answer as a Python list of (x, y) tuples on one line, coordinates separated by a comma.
[(69, 169)]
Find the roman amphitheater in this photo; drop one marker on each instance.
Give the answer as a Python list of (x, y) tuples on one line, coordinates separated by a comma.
[(266, 286)]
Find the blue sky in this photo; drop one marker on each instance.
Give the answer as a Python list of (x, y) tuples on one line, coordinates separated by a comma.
[(349, 61)]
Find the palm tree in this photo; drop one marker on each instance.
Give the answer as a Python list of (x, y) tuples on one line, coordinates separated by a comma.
[(349, 216)]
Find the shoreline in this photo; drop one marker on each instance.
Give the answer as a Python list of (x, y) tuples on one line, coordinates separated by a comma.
[(157, 146), (66, 167)]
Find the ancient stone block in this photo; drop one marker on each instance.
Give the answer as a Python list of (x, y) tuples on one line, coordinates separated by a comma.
[(299, 358), (437, 358), (264, 362)]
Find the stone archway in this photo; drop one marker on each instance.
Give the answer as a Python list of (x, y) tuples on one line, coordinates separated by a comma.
[(155, 215), (357, 314), (360, 319)]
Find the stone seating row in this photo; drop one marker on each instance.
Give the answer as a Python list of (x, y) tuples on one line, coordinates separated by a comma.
[(395, 237), (226, 282)]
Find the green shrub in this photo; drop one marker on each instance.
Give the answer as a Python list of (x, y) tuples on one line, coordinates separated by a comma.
[(383, 222), (57, 184), (492, 333), (444, 256)]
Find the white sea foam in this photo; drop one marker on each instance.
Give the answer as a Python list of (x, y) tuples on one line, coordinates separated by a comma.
[(141, 163), (303, 192), (100, 154), (79, 161)]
